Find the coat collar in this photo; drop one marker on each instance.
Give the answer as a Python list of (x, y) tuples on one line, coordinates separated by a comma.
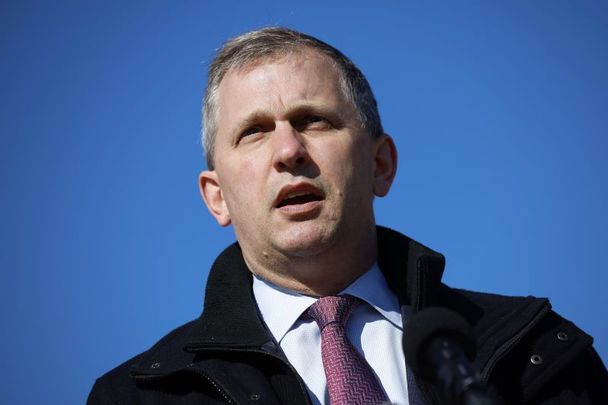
[(231, 320)]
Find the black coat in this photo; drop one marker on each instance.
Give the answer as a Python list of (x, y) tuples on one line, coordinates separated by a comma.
[(228, 356)]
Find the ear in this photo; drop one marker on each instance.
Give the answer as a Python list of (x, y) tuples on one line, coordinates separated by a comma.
[(212, 194), (385, 160)]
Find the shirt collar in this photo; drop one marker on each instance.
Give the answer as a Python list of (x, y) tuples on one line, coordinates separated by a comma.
[(372, 288), (281, 308)]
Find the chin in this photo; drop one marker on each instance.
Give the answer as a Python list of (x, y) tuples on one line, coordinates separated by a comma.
[(303, 242)]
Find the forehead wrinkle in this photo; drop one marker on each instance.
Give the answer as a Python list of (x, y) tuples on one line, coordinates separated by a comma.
[(280, 110), (252, 118), (310, 95), (297, 108), (327, 75)]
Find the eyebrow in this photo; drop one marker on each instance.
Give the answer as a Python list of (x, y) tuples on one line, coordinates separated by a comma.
[(301, 109), (309, 108), (252, 118)]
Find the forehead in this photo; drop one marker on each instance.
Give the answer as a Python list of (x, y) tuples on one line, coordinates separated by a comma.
[(293, 58), (300, 75)]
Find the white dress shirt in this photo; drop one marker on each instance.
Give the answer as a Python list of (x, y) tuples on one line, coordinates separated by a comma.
[(375, 329)]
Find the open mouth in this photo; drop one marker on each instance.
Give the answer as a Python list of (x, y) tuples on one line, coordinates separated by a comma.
[(296, 198), (298, 194)]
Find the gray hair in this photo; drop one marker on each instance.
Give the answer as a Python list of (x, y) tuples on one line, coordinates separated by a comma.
[(272, 42)]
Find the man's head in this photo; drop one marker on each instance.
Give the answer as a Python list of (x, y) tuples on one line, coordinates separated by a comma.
[(295, 169), (271, 43)]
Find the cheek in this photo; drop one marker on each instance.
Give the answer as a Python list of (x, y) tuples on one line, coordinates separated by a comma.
[(242, 183), (359, 171), (251, 177)]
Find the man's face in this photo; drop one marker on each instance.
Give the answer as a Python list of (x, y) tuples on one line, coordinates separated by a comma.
[(294, 170)]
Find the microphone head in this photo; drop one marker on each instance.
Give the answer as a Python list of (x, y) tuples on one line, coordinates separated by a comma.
[(428, 324)]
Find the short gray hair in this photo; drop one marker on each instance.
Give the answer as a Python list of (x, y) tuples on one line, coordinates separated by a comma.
[(271, 42)]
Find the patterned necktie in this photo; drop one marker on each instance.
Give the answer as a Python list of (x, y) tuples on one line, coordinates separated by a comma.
[(350, 380)]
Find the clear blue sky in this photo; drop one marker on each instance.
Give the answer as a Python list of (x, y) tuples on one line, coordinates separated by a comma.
[(499, 111)]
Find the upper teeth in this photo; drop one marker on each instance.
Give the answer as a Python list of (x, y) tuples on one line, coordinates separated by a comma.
[(296, 194)]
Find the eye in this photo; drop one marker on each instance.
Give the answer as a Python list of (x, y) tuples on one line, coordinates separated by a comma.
[(250, 134), (251, 131), (313, 123), (314, 119)]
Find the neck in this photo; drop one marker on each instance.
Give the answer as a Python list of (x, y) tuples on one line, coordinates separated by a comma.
[(324, 273)]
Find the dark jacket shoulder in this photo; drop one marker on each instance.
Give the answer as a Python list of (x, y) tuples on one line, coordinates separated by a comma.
[(117, 385), (525, 351)]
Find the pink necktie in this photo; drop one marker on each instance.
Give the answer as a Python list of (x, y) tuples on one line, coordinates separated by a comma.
[(350, 380)]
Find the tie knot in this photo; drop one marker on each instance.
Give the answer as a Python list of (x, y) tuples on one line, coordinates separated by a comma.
[(332, 309)]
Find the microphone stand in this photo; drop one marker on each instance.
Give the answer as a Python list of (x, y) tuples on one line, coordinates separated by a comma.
[(438, 345), (459, 379)]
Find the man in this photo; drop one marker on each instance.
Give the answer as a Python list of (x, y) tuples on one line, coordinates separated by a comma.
[(296, 154)]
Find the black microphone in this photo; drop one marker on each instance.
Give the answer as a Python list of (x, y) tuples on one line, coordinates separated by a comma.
[(438, 345)]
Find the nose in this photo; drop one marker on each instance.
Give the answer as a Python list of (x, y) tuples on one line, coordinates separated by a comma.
[(289, 148)]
